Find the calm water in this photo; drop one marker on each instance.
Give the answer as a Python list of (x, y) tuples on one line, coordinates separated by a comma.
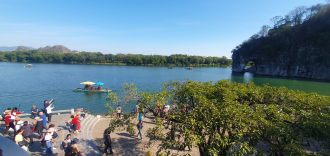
[(31, 86)]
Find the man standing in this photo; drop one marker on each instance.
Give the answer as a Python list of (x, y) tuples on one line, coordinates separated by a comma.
[(118, 111), (34, 111), (44, 121)]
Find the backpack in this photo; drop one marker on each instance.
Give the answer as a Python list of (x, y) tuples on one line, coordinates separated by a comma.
[(138, 125), (61, 146)]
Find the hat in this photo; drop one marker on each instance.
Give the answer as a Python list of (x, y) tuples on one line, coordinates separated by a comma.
[(7, 111), (75, 141)]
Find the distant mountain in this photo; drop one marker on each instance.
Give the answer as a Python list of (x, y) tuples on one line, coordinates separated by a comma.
[(4, 48), (22, 48), (56, 48)]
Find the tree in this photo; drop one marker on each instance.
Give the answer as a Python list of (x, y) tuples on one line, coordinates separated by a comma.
[(297, 14), (228, 118), (264, 30)]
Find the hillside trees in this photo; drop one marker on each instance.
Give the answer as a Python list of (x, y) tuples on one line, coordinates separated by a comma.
[(228, 118), (98, 58)]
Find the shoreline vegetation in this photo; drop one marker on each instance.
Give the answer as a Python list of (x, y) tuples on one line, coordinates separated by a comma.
[(97, 58)]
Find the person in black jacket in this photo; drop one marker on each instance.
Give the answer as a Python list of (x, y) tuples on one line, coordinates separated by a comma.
[(27, 133), (107, 141), (39, 127)]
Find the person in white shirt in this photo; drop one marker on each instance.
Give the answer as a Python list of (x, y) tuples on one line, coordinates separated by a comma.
[(49, 146), (19, 123), (49, 112)]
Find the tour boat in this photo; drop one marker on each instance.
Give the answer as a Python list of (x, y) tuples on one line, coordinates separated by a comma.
[(90, 90), (87, 90)]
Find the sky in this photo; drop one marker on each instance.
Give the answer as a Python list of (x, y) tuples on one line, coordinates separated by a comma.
[(157, 27)]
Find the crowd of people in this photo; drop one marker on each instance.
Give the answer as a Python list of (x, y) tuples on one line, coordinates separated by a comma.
[(89, 87), (23, 130)]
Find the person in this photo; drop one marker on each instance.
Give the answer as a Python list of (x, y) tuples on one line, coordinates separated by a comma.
[(173, 106), (89, 87), (86, 87), (137, 108), (49, 145), (9, 122), (19, 140), (74, 150), (69, 122), (140, 116), (133, 111), (15, 113), (18, 123), (39, 127), (99, 88), (107, 141), (44, 121), (140, 126), (49, 112), (76, 124), (67, 142), (118, 111), (34, 112), (27, 131), (4, 113), (51, 130), (46, 103)]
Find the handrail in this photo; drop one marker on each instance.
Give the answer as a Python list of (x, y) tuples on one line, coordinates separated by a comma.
[(58, 112)]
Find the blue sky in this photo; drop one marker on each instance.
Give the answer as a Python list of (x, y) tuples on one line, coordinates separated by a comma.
[(163, 27)]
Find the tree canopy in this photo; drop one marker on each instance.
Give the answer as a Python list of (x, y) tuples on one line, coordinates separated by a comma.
[(234, 118), (118, 59)]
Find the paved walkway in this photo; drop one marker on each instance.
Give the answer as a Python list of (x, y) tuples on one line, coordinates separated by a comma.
[(36, 148), (123, 144)]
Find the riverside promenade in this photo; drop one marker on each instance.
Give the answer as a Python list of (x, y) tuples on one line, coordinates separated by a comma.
[(86, 144), (91, 137)]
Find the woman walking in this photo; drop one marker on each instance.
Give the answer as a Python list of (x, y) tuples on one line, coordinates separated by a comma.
[(49, 145), (140, 126), (107, 141)]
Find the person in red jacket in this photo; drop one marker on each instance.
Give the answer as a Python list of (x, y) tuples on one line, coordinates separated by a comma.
[(9, 122), (15, 113), (76, 123)]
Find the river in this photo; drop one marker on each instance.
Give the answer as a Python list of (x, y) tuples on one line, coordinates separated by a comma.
[(25, 87)]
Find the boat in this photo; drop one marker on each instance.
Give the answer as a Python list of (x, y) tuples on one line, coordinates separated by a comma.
[(96, 91), (28, 65), (92, 89), (190, 68)]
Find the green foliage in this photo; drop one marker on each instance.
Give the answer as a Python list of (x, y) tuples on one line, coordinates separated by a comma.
[(118, 59), (228, 118)]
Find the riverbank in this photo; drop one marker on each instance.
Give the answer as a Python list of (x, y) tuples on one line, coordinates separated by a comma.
[(125, 64)]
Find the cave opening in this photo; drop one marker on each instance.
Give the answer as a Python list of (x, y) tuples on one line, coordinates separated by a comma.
[(249, 66)]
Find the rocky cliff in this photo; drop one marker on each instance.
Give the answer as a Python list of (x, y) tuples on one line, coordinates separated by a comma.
[(56, 48), (295, 51)]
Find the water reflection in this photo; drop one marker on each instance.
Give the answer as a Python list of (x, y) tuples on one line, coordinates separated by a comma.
[(91, 95)]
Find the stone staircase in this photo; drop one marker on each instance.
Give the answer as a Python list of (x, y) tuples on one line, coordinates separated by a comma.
[(86, 143)]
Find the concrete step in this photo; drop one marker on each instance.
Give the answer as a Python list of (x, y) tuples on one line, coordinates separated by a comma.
[(87, 144)]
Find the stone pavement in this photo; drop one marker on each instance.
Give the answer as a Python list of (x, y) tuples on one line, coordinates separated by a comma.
[(86, 144), (123, 144)]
